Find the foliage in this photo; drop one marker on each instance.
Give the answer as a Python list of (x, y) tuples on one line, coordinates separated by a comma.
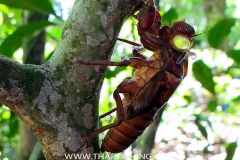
[(202, 117), (220, 31), (15, 40), (35, 5)]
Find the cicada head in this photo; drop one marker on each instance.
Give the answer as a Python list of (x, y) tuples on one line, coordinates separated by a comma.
[(182, 34), (181, 27)]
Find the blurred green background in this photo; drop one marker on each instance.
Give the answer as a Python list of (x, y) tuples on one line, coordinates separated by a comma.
[(201, 120)]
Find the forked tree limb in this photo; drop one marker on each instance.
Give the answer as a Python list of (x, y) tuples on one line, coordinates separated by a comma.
[(59, 99)]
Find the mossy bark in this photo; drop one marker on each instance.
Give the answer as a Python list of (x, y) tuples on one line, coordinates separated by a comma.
[(33, 53), (59, 99)]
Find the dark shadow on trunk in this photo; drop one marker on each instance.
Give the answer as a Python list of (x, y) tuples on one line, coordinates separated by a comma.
[(33, 54)]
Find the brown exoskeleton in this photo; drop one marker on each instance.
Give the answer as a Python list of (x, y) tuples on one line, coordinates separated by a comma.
[(154, 81)]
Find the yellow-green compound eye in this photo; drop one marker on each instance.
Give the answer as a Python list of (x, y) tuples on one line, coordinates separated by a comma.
[(181, 43)]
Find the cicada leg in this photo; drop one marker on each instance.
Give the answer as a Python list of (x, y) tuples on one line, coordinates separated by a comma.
[(109, 112), (126, 86), (185, 68)]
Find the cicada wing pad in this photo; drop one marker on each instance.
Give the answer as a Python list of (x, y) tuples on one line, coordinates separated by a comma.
[(145, 96)]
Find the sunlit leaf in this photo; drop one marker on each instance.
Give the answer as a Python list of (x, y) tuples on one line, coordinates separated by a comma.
[(231, 148), (203, 74), (235, 55), (237, 99), (219, 31), (14, 41), (6, 114), (113, 73), (34, 5), (49, 56), (170, 16)]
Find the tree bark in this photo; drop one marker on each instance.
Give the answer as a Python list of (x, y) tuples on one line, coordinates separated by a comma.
[(33, 50), (59, 99)]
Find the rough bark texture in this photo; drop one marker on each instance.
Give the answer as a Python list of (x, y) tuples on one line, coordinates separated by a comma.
[(33, 50), (59, 100)]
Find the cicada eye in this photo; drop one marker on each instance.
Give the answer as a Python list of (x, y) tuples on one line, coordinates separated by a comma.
[(181, 43)]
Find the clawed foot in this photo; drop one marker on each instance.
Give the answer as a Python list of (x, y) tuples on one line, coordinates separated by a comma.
[(84, 141)]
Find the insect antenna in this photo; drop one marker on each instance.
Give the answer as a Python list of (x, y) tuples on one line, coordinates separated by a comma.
[(195, 35)]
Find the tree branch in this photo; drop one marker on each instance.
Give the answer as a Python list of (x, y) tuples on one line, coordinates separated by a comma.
[(59, 100), (33, 53), (8, 88)]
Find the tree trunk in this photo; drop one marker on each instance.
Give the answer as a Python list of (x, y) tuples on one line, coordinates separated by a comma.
[(33, 50), (59, 99)]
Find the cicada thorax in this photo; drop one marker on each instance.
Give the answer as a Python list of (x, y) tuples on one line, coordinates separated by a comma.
[(141, 77), (146, 73)]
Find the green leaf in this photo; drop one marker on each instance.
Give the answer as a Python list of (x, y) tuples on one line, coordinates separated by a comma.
[(202, 129), (6, 114), (14, 127), (235, 55), (170, 16), (219, 31), (212, 105), (231, 148), (187, 98), (49, 56), (34, 5), (14, 41), (203, 74), (236, 99), (1, 147), (206, 119), (114, 73)]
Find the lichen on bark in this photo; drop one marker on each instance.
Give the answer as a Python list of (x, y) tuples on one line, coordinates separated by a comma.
[(59, 99)]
